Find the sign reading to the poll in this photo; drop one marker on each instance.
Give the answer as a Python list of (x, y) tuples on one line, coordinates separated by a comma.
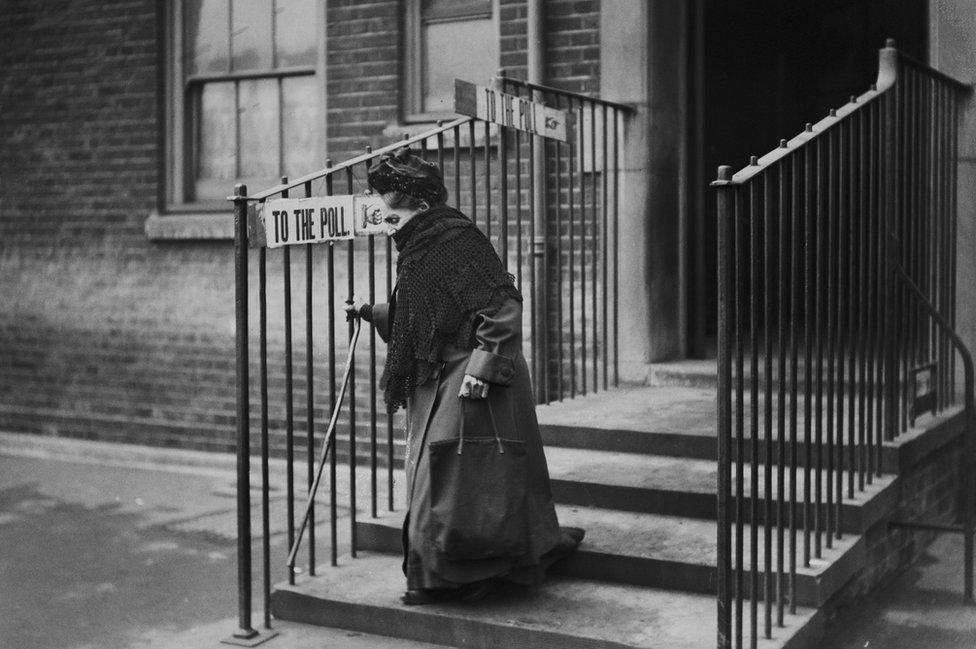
[(319, 219), (508, 110)]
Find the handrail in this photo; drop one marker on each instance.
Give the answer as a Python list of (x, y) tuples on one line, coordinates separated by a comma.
[(969, 477), (568, 93), (887, 74), (322, 173)]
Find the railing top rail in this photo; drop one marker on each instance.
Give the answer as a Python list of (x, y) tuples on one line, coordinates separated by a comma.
[(889, 61), (568, 93), (322, 173)]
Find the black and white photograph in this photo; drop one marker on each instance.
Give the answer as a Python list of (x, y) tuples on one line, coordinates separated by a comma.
[(487, 324)]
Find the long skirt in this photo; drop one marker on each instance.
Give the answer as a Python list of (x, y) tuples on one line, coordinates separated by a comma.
[(434, 413)]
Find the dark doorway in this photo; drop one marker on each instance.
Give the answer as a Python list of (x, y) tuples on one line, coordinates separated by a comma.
[(766, 68)]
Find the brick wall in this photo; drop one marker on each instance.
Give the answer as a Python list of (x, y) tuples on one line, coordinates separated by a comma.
[(105, 334)]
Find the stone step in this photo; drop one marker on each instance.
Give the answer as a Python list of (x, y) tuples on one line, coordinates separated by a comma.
[(688, 487), (662, 552), (362, 594)]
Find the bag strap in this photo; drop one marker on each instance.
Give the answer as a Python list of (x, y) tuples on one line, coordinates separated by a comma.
[(491, 417)]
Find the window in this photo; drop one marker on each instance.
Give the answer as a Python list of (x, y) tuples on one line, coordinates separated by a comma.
[(246, 96), (446, 39)]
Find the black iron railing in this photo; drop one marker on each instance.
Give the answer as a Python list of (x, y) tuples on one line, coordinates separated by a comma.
[(549, 207), (819, 340)]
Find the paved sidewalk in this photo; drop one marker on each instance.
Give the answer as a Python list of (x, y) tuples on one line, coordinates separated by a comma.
[(110, 548)]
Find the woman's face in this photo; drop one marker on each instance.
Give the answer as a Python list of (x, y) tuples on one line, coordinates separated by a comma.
[(396, 217)]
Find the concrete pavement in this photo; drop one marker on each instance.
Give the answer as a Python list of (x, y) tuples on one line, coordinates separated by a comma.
[(109, 548)]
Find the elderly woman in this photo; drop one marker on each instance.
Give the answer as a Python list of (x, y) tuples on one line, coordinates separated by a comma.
[(453, 328)]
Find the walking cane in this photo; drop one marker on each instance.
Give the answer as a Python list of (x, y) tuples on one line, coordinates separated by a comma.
[(329, 435)]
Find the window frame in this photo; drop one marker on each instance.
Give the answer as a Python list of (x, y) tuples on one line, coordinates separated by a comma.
[(413, 60), (179, 124)]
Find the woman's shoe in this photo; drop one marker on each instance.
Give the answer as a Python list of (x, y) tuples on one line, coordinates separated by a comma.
[(476, 591), (422, 596)]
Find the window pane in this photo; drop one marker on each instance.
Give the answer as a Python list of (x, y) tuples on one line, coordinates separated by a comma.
[(207, 36), (251, 35), (464, 49), (259, 128), (301, 125), (217, 132), (295, 32)]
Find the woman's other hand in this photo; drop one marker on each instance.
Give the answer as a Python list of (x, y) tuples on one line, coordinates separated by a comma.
[(473, 388)]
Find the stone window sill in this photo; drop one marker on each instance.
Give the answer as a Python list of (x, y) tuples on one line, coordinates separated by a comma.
[(190, 226)]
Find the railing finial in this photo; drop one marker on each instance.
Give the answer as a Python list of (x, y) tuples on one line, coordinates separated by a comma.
[(890, 43), (808, 127), (833, 112), (725, 172), (783, 144), (753, 161), (853, 99)]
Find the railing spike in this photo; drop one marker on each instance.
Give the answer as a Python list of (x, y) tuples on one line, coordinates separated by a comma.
[(853, 99), (808, 127), (890, 43), (369, 148), (328, 162), (753, 160), (874, 87), (783, 144), (833, 112)]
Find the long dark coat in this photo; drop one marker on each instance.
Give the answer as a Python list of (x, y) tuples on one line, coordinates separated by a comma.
[(434, 413)]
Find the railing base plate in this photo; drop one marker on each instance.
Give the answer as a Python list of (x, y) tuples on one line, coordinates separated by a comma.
[(240, 639)]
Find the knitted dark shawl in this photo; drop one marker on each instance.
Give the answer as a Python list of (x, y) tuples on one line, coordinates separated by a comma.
[(447, 274)]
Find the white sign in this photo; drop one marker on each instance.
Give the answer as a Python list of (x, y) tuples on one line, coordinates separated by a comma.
[(319, 219), (508, 110)]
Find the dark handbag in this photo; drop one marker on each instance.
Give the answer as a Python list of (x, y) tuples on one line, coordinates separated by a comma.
[(477, 495)]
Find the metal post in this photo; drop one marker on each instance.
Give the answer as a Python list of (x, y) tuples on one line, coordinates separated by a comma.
[(725, 216)]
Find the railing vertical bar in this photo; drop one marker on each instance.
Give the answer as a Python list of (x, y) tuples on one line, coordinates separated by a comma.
[(878, 245), (487, 175), (726, 278), (560, 328), (503, 171), (870, 328), (518, 220), (390, 455), (456, 160), (768, 466), (835, 175), (893, 165), (353, 451), (594, 256), (265, 473), (754, 324), (244, 629), (333, 487), (953, 219), (822, 251), (784, 281), (904, 309), (810, 250), (310, 395), (373, 409), (582, 246), (537, 273), (855, 211), (939, 254), (605, 262), (741, 277), (472, 160), (944, 265), (571, 191), (795, 295), (616, 241), (289, 398), (863, 295)]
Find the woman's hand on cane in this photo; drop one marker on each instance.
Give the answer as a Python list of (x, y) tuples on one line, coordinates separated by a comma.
[(354, 308), (473, 388)]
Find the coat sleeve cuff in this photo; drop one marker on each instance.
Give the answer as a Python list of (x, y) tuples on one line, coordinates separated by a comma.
[(490, 367)]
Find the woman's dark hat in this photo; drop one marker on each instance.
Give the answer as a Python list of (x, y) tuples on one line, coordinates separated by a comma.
[(403, 171)]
